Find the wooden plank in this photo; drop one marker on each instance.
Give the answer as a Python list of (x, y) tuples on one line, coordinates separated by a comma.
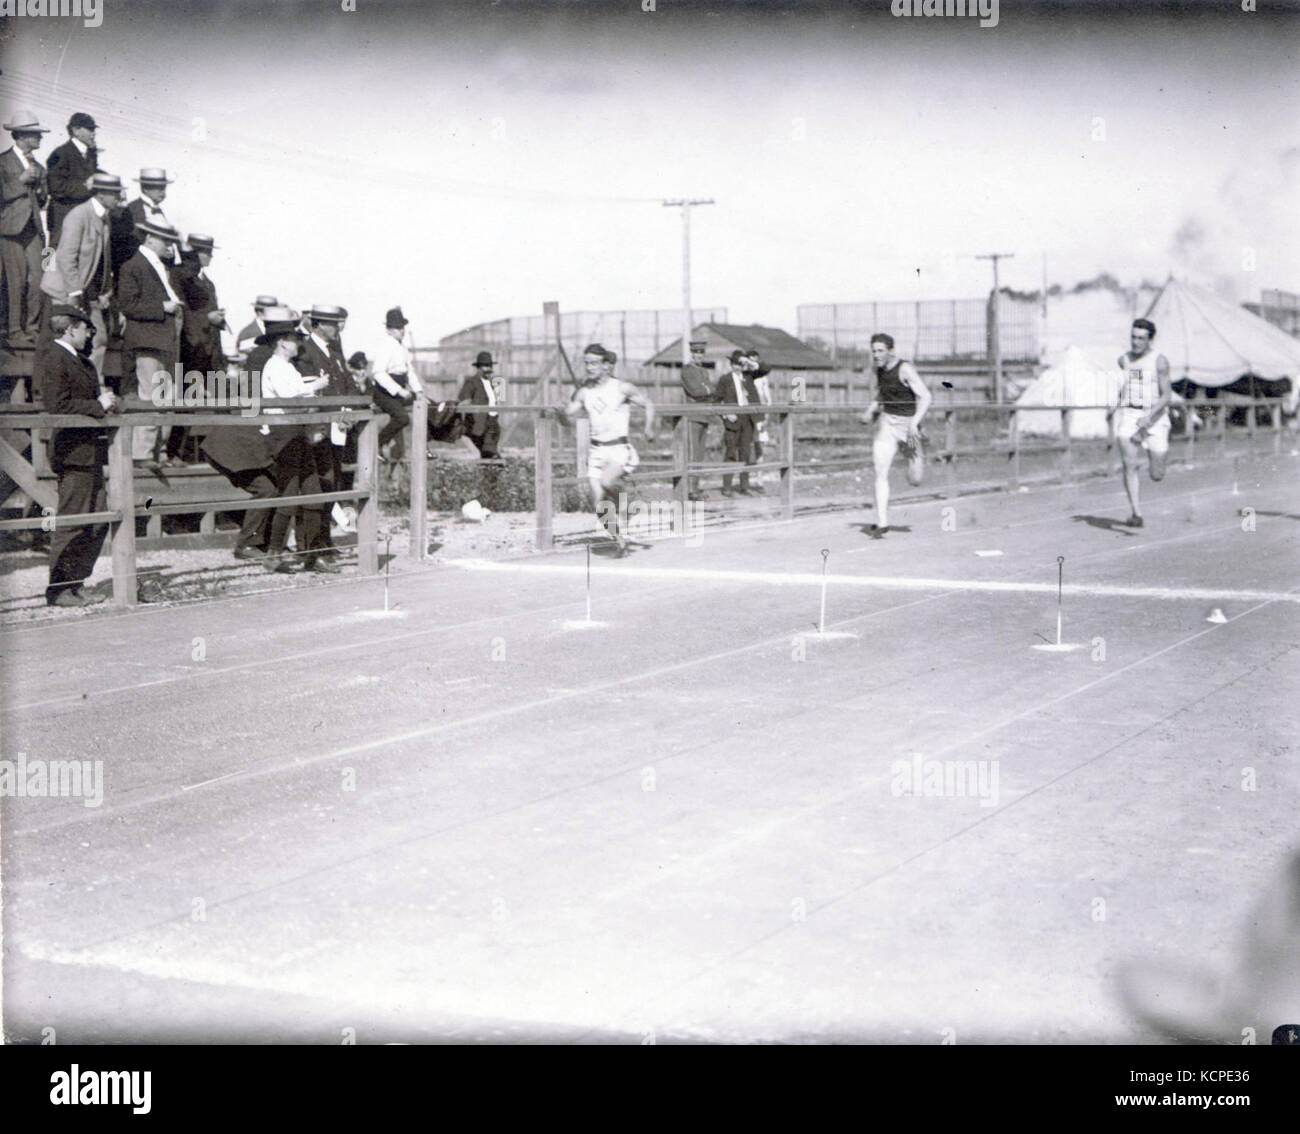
[(543, 501), (681, 463), (787, 470), (50, 523), (419, 495), (367, 480), (23, 475), (121, 499)]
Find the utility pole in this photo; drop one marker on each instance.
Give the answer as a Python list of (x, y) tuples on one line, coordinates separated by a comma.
[(996, 344), (685, 204)]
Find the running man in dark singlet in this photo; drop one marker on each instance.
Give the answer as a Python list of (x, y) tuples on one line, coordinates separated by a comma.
[(899, 403), (1142, 418)]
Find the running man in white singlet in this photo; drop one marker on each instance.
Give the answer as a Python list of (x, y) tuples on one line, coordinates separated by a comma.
[(1142, 415), (607, 403)]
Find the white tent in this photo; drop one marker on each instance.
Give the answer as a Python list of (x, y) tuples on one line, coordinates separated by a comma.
[(1214, 342), (1074, 381)]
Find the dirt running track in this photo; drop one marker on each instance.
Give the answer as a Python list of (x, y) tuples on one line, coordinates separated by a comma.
[(477, 818)]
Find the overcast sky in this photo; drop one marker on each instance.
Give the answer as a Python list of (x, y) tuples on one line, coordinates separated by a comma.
[(471, 162)]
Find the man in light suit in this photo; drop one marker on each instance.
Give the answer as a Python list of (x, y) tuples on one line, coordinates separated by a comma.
[(152, 307), (22, 228), (80, 274), (484, 429), (71, 166)]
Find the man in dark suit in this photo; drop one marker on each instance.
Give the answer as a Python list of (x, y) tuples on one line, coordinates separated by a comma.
[(69, 385), (146, 207), (246, 340), (483, 428), (322, 354), (71, 165), (22, 228), (736, 388), (201, 321), (146, 296), (697, 388)]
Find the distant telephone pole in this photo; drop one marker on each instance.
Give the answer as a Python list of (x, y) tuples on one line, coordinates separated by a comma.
[(685, 204), (996, 344)]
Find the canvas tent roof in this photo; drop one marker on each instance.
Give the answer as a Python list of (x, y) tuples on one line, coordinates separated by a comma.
[(1214, 342)]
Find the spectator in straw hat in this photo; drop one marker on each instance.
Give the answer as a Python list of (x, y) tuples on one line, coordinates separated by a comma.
[(22, 228), (483, 428), (70, 169), (149, 301), (246, 340), (80, 272), (321, 355), (146, 207)]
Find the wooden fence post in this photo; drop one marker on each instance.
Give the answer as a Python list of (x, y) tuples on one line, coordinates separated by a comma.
[(121, 499), (1067, 453), (787, 467), (950, 443), (543, 502), (1015, 450), (367, 476), (682, 462), (419, 494)]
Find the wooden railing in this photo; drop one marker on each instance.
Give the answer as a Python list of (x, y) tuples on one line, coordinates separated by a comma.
[(122, 506)]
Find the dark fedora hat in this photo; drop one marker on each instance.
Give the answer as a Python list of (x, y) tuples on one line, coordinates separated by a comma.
[(393, 317), (68, 311), (358, 360), (484, 359)]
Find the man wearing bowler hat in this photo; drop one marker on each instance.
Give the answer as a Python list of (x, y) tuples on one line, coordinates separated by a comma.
[(22, 227), (71, 166), (148, 299), (80, 273), (146, 207), (483, 428), (69, 385)]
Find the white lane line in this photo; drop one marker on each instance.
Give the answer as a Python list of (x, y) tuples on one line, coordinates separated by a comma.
[(458, 723), (888, 582)]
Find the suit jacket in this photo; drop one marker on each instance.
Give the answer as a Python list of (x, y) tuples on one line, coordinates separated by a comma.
[(68, 172), (200, 339), (140, 297), (79, 255), (124, 239), (313, 360), (471, 390), (725, 392), (695, 383), (22, 203), (68, 384)]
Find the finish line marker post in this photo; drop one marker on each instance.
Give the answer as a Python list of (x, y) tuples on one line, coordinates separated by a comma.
[(1058, 646), (584, 623), (822, 632)]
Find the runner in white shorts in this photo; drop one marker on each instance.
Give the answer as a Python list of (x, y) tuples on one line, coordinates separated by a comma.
[(1142, 417), (899, 402), (607, 403)]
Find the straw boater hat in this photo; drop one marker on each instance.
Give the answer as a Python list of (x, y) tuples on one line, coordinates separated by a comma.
[(25, 122), (324, 313), (281, 321), (198, 242), (105, 183), (153, 176), (162, 231), (262, 302)]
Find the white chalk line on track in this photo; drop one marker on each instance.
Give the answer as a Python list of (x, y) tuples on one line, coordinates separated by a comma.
[(462, 722), (997, 813), (891, 582)]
